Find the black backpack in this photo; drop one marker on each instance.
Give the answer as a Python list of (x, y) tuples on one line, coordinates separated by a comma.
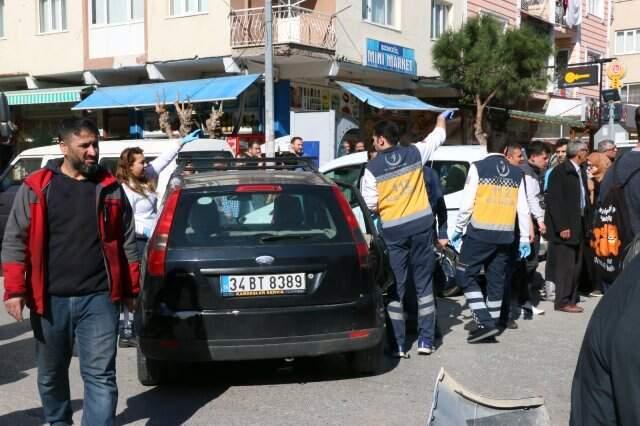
[(612, 233)]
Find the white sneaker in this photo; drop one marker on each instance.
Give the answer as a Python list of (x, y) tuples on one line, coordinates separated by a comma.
[(535, 311)]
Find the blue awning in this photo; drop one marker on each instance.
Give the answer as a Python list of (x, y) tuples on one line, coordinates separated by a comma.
[(387, 101), (145, 95)]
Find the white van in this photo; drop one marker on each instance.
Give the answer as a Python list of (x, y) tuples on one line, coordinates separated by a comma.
[(33, 159)]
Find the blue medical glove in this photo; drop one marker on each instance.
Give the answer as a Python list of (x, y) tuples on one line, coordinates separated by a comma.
[(147, 231), (448, 114), (191, 136), (456, 240), (525, 250), (376, 222)]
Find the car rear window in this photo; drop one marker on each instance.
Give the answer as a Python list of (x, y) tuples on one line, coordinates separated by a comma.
[(294, 214)]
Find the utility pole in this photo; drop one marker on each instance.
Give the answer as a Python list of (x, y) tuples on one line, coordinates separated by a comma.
[(268, 80)]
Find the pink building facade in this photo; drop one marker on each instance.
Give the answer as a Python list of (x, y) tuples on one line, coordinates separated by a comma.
[(584, 41)]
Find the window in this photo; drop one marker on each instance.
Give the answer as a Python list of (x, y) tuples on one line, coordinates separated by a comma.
[(1, 18), (20, 170), (453, 174), (628, 41), (53, 15), (439, 18), (562, 61), (186, 7), (303, 215), (503, 21), (593, 56), (104, 12), (630, 94), (379, 11), (595, 7)]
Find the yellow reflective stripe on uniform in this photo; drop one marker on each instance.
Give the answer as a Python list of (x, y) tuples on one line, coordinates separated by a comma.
[(495, 207), (401, 196)]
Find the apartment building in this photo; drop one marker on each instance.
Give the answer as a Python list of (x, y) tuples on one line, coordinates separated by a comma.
[(61, 51), (625, 45), (579, 31)]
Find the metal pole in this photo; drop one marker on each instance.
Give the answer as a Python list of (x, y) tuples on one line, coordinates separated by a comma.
[(600, 106), (268, 80), (611, 112)]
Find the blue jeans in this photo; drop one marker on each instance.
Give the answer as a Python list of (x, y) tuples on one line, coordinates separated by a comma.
[(91, 321), (415, 251)]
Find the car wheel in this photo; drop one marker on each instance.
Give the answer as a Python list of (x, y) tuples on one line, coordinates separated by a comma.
[(368, 361), (151, 372)]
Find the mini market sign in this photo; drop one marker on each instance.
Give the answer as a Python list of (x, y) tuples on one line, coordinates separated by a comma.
[(390, 57)]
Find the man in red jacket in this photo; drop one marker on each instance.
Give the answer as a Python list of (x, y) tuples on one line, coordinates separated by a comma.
[(69, 254)]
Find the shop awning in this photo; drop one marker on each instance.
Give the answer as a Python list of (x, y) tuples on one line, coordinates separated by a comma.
[(46, 96), (387, 101), (145, 95), (543, 118)]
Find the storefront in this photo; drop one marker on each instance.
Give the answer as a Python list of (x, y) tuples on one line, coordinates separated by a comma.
[(37, 113)]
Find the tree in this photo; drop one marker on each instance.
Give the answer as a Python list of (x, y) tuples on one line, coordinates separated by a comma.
[(489, 64)]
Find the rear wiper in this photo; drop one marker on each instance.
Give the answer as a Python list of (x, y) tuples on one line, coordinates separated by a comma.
[(286, 237)]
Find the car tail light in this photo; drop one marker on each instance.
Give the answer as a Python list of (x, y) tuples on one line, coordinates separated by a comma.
[(258, 188), (160, 238), (361, 245)]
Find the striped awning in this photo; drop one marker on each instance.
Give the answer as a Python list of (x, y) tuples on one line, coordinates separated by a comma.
[(543, 118), (46, 96)]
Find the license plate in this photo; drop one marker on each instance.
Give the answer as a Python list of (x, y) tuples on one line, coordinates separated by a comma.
[(262, 285)]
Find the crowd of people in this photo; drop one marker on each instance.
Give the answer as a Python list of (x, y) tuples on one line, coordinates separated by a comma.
[(514, 199)]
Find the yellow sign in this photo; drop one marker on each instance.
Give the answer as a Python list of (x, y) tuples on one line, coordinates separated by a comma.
[(615, 72), (572, 77)]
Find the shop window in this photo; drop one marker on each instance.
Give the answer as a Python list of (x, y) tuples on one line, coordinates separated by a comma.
[(105, 12), (1, 18), (187, 7), (628, 41), (53, 15), (596, 8), (439, 18), (379, 11)]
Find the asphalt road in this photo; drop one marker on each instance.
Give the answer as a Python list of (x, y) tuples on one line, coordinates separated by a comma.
[(538, 359)]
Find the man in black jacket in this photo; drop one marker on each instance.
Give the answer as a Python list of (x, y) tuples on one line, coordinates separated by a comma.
[(606, 389), (567, 203)]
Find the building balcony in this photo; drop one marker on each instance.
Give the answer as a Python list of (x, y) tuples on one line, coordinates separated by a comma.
[(291, 25), (550, 11)]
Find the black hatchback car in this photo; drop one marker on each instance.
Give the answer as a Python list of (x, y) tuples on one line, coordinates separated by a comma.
[(251, 262)]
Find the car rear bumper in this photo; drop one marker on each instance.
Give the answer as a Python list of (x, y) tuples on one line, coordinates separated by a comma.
[(248, 349)]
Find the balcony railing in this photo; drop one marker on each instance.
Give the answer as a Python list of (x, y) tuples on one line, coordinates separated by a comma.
[(291, 25), (551, 11)]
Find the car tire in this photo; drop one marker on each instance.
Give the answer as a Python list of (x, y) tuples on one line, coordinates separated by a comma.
[(367, 361), (151, 372)]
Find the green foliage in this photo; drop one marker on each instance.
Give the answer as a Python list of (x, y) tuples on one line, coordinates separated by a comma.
[(482, 59)]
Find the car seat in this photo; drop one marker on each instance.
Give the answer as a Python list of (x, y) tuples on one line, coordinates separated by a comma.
[(287, 212), (204, 220)]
